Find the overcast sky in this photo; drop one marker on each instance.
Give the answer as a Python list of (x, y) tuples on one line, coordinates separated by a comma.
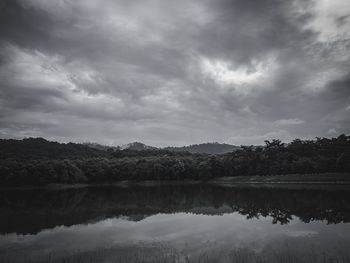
[(174, 72)]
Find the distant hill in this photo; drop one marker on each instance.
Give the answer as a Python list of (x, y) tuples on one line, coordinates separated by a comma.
[(209, 148), (101, 146), (39, 148), (137, 146)]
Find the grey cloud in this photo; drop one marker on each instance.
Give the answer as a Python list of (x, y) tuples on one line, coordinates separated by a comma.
[(342, 20), (118, 71), (23, 25), (252, 29), (340, 87)]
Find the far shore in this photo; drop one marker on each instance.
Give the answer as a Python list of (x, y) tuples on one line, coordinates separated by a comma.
[(331, 178), (276, 181)]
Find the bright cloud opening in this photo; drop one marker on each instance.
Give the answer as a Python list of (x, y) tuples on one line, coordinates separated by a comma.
[(241, 79), (221, 71)]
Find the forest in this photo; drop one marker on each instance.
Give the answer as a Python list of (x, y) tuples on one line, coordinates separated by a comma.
[(36, 161)]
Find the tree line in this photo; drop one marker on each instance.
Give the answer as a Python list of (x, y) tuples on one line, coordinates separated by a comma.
[(39, 162)]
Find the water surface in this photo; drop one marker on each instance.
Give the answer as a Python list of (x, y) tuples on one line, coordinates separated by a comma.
[(175, 223)]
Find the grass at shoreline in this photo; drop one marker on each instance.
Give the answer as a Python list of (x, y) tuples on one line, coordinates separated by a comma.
[(326, 179)]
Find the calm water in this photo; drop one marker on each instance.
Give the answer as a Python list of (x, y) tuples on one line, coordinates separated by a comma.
[(175, 223)]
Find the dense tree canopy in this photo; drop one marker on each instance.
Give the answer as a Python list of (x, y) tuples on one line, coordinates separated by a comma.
[(37, 161)]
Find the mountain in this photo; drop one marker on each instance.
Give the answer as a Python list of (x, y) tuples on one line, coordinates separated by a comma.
[(100, 146), (137, 146), (209, 148), (39, 148)]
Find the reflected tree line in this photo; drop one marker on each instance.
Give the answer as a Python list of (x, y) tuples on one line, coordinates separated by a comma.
[(40, 162), (29, 211)]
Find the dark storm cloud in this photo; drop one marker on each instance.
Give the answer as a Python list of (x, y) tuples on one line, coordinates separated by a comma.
[(246, 30), (342, 20), (340, 88), (25, 26), (167, 72)]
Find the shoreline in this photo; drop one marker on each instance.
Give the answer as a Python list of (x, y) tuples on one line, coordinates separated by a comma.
[(290, 180)]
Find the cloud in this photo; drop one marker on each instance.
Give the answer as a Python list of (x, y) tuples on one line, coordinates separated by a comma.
[(285, 122), (330, 19), (173, 73)]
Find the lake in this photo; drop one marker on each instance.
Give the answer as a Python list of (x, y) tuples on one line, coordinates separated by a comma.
[(175, 223)]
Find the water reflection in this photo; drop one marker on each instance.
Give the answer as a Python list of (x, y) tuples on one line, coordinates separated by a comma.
[(175, 223), (30, 211)]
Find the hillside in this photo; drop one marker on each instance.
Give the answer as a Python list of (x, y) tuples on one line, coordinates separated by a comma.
[(203, 148), (39, 148), (101, 146), (137, 146), (209, 148)]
